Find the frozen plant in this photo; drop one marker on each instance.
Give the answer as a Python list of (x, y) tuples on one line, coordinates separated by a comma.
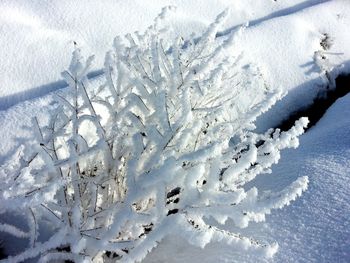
[(165, 143)]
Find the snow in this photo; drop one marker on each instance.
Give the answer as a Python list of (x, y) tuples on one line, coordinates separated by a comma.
[(37, 36), (285, 53), (319, 230), (37, 39)]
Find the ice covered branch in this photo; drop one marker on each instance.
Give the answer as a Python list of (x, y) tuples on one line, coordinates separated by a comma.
[(164, 143)]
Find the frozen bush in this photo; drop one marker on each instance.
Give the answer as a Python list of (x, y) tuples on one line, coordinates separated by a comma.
[(163, 144)]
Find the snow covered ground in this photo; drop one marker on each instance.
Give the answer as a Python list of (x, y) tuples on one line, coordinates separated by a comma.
[(37, 39), (37, 36)]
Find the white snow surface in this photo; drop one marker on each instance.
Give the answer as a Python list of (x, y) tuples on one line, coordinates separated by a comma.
[(36, 38)]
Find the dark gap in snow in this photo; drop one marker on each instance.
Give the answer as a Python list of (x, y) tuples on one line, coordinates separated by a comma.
[(2, 250), (173, 192), (65, 249), (320, 105), (112, 255), (172, 211)]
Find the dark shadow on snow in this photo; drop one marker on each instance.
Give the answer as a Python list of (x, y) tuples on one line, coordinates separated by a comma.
[(321, 103), (283, 12), (13, 99), (310, 99)]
